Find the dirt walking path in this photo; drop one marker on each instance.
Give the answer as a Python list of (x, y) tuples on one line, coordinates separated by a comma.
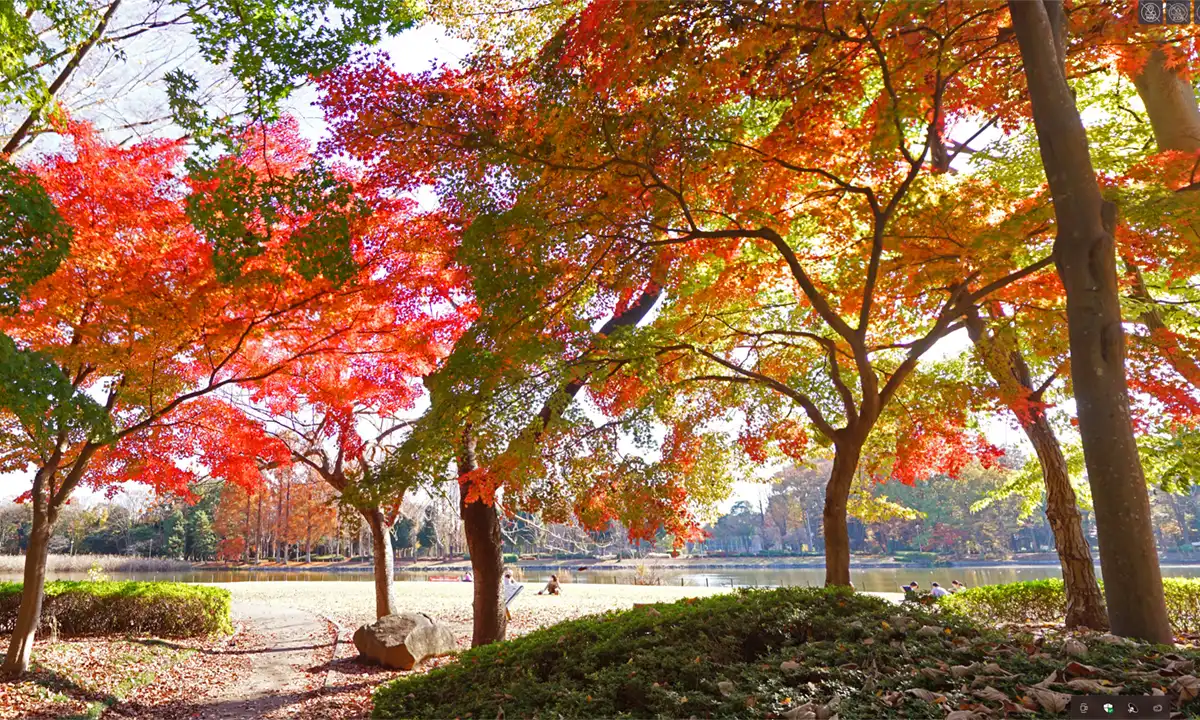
[(286, 649)]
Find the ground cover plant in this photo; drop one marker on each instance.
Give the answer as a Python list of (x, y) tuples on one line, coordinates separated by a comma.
[(789, 652), (89, 608)]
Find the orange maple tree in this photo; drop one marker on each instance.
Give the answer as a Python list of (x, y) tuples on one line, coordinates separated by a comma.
[(777, 175), (138, 319)]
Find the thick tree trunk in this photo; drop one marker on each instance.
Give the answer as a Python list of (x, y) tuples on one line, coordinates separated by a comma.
[(20, 648), (1170, 103), (837, 496), (1174, 116), (1085, 256), (481, 524), (385, 569)]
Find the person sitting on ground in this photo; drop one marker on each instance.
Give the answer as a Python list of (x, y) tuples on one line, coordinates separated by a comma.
[(512, 588), (911, 590), (467, 577), (551, 587), (938, 591), (956, 586)]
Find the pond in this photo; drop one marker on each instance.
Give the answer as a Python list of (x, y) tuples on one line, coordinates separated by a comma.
[(871, 579)]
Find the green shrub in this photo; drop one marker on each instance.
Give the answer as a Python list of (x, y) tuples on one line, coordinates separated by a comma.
[(1046, 601), (1183, 603), (1033, 601), (723, 657), (160, 609), (511, 557)]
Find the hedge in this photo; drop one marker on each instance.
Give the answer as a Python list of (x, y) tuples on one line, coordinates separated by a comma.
[(764, 654), (160, 609), (1045, 601)]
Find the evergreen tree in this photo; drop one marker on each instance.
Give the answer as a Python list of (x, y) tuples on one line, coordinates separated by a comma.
[(402, 534), (176, 535), (427, 536), (202, 540)]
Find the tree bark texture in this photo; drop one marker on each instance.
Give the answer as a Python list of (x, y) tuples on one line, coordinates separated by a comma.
[(1174, 114), (481, 524), (1003, 359), (1085, 256), (836, 528), (20, 647), (1170, 104), (384, 564)]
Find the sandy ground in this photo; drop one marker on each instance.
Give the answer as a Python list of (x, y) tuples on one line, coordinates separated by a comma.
[(285, 655), (351, 604)]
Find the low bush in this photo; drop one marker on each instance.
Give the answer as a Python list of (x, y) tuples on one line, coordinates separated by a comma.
[(119, 608), (1183, 603), (767, 653), (1046, 601), (511, 558), (1033, 601)]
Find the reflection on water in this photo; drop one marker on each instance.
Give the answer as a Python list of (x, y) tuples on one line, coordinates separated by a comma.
[(873, 579)]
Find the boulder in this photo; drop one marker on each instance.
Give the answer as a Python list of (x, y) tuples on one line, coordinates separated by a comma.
[(401, 641)]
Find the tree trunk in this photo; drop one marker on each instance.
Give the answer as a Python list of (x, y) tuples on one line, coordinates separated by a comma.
[(246, 532), (1085, 604), (836, 530), (1185, 532), (20, 648), (1170, 104), (1001, 355), (481, 523), (1085, 256), (258, 538), (1160, 336), (385, 570), (287, 517), (1174, 116)]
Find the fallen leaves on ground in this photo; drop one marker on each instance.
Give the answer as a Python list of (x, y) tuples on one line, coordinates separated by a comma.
[(90, 675)]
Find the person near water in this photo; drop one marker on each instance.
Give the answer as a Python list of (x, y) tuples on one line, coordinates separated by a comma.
[(467, 577), (956, 586), (911, 590), (938, 591), (512, 588), (551, 588)]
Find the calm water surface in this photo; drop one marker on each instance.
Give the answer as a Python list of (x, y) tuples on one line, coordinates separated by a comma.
[(872, 579)]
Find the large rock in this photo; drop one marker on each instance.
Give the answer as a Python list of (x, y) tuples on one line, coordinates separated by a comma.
[(403, 640)]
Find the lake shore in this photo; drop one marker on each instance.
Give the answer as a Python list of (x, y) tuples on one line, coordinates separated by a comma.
[(799, 562), (351, 603)]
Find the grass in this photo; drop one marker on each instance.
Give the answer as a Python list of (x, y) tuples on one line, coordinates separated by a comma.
[(15, 564), (786, 652)]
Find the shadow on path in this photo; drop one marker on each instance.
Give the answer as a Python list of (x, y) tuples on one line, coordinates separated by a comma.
[(287, 643)]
